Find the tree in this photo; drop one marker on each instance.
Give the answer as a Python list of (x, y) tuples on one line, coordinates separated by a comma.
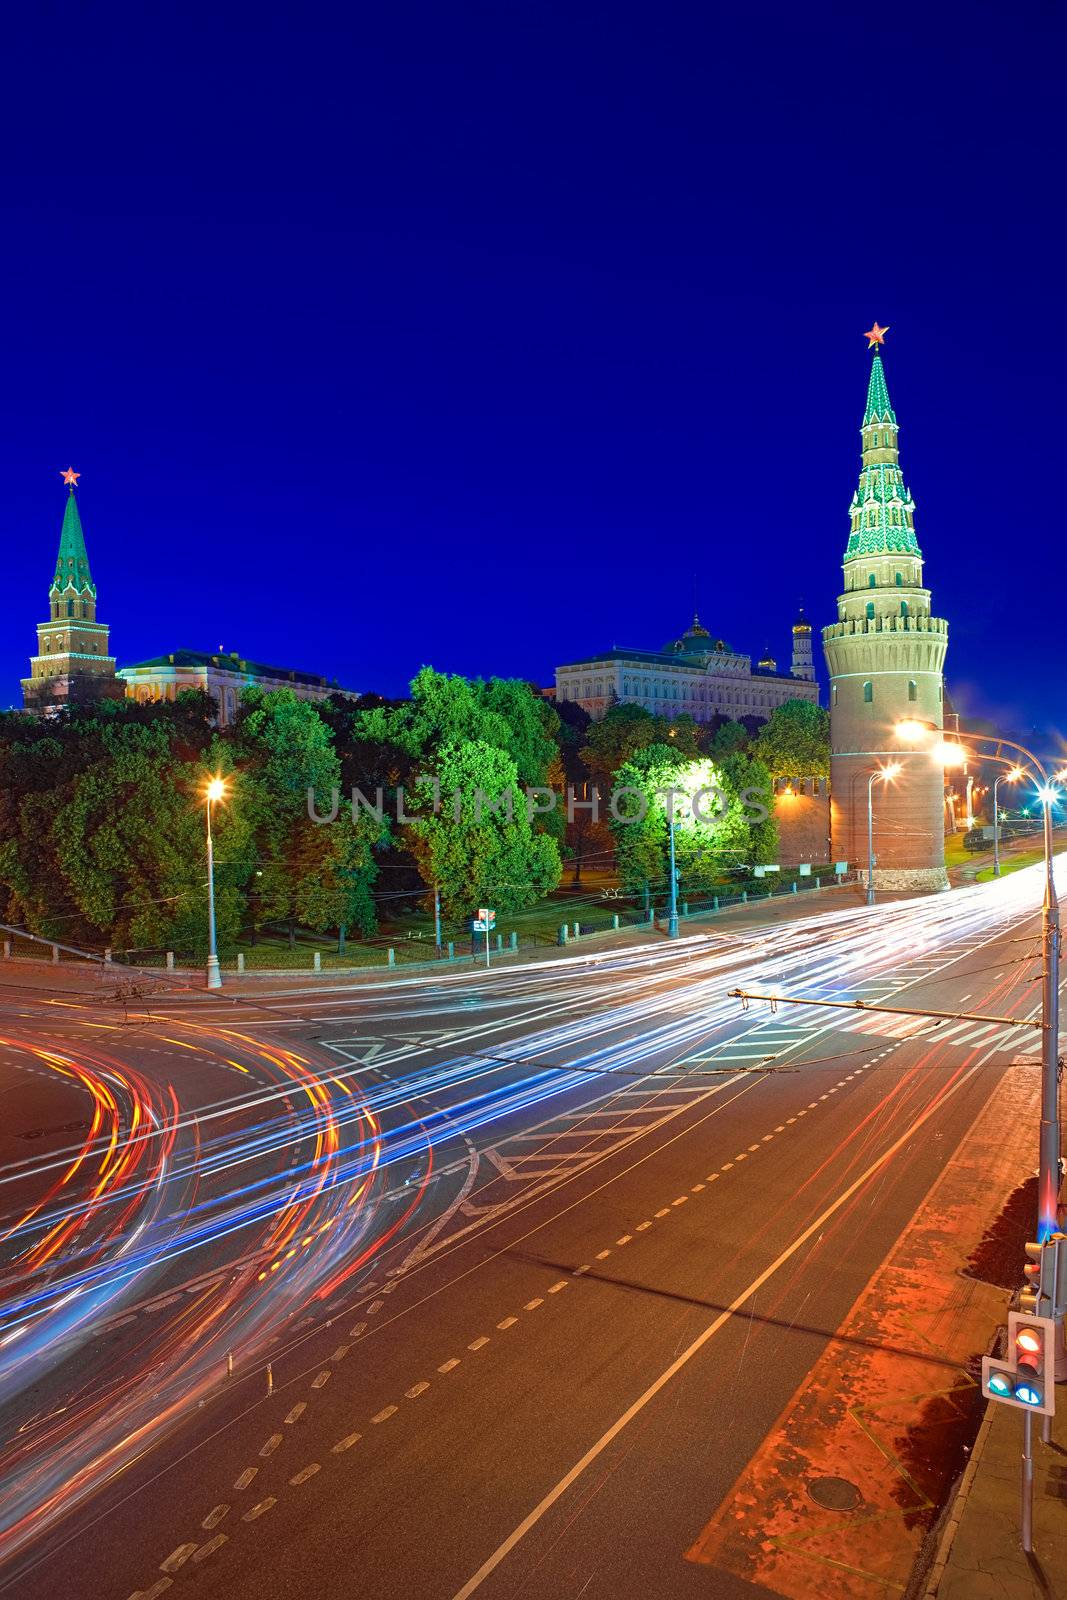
[(717, 811), (472, 850), (729, 739), (319, 874), (795, 742)]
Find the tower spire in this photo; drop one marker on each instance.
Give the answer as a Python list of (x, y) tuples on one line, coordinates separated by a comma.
[(72, 662), (72, 561), (882, 513)]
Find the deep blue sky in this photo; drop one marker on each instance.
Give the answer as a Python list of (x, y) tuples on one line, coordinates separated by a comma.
[(469, 334)]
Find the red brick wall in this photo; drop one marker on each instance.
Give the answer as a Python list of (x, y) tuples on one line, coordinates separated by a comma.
[(802, 812)]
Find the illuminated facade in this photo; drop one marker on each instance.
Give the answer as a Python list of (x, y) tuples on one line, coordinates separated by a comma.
[(695, 675), (72, 665), (223, 675), (886, 654)]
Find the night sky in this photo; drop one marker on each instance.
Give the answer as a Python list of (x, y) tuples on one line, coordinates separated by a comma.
[(487, 335)]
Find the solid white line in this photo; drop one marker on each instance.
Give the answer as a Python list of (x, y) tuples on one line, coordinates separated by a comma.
[(503, 1550)]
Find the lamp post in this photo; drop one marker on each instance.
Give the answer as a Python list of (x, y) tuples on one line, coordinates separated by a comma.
[(886, 774), (672, 897), (1048, 1178), (1011, 777), (216, 790)]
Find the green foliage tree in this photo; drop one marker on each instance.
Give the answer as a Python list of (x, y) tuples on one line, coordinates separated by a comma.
[(317, 874), (472, 849), (795, 742), (717, 809)]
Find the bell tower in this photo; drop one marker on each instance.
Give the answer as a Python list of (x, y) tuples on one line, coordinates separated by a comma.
[(802, 665), (72, 664), (885, 656)]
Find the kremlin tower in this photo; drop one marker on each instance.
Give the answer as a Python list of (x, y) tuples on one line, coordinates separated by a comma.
[(72, 665), (885, 655)]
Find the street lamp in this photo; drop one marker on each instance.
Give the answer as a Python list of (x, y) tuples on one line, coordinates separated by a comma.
[(1011, 777), (887, 774), (672, 899), (1048, 1182), (215, 790)]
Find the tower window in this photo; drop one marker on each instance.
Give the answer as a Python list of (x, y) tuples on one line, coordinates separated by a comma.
[(70, 608), (833, 694), (912, 690), (900, 580), (870, 610), (872, 582), (903, 608), (868, 693)]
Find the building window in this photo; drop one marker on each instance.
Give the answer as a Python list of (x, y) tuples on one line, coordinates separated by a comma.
[(870, 610), (833, 694), (874, 440), (872, 582), (912, 690), (900, 580), (868, 693), (903, 608), (70, 608)]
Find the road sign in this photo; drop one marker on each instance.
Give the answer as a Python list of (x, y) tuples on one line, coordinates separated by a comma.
[(485, 921)]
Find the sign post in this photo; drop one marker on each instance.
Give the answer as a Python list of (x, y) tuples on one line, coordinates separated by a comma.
[(485, 922)]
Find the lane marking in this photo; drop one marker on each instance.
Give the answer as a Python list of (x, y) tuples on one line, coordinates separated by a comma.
[(508, 1322), (271, 1445), (304, 1474), (322, 1379), (297, 1411), (346, 1443), (415, 1390), (214, 1517), (207, 1549), (246, 1478), (177, 1558), (385, 1414), (532, 1305), (478, 1343), (260, 1509), (549, 1500), (449, 1366)]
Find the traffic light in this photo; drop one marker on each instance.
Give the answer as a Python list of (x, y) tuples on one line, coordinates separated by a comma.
[(1045, 1272), (1026, 1376)]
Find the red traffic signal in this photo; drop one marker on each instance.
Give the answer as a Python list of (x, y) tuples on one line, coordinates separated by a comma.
[(1026, 1377)]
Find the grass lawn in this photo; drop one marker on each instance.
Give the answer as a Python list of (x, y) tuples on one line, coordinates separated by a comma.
[(1011, 863)]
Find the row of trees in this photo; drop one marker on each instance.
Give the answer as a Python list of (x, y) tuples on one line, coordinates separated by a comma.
[(102, 827)]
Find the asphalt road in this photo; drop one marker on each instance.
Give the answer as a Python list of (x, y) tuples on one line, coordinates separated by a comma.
[(536, 1258)]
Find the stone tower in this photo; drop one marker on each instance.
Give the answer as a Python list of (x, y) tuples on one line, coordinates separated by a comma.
[(885, 655), (72, 665), (803, 665)]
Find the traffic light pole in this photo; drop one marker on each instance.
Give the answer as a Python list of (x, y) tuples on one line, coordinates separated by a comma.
[(1049, 1162), (1026, 1519)]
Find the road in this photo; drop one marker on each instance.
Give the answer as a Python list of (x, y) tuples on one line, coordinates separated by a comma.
[(535, 1257)]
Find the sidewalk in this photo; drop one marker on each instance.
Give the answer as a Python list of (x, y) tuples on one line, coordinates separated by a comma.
[(980, 1556)]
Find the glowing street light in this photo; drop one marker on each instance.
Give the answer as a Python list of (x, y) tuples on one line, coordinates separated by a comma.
[(1002, 777), (886, 774), (214, 791)]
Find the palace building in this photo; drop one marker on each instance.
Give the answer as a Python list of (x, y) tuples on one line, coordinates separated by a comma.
[(72, 665), (222, 675), (695, 675), (886, 655)]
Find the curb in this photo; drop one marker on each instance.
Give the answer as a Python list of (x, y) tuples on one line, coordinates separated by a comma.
[(955, 1516)]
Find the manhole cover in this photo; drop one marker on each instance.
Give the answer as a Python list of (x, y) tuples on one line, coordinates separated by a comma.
[(834, 1494)]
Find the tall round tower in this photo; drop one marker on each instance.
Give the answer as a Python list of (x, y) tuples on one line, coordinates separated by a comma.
[(885, 656)]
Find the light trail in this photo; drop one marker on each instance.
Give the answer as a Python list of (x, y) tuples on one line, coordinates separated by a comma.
[(294, 1164)]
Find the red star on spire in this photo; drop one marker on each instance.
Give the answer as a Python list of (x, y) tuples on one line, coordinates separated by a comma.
[(876, 335), (70, 477)]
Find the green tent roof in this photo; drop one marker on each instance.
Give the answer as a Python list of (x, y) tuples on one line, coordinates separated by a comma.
[(72, 562), (878, 407)]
